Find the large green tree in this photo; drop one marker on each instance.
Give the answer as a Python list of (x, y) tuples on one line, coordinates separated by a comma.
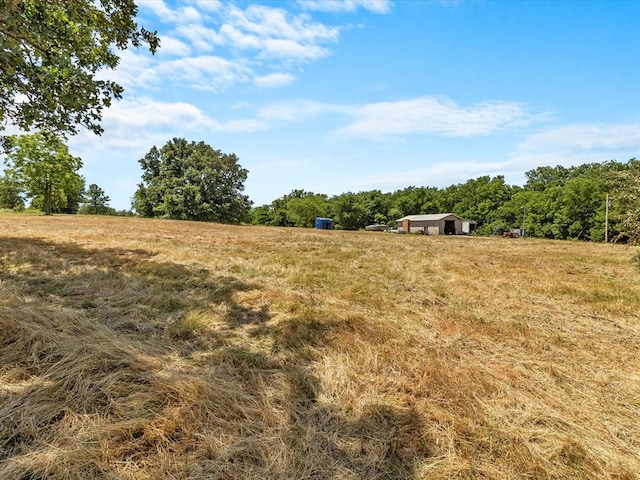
[(50, 52), (192, 181), (46, 169)]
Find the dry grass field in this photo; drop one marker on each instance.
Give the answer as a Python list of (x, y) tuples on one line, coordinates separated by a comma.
[(147, 349)]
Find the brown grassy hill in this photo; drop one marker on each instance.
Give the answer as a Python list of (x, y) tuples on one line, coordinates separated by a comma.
[(142, 349)]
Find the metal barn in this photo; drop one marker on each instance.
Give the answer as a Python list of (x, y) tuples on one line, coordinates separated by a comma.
[(436, 224)]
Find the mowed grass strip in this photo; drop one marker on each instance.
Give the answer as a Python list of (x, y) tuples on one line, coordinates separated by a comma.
[(148, 349)]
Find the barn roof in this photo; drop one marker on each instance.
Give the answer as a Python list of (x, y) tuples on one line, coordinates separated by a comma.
[(431, 217)]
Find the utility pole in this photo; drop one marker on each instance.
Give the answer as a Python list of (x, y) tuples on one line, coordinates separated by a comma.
[(606, 220), (524, 219)]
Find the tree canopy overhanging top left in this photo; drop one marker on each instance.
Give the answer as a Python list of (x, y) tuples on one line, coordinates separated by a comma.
[(50, 53)]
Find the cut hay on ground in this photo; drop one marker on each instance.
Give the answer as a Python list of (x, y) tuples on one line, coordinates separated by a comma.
[(142, 349)]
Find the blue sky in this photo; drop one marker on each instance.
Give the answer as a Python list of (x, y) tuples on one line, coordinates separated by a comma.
[(337, 96)]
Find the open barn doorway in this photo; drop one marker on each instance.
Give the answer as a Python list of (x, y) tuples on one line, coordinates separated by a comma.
[(449, 227)]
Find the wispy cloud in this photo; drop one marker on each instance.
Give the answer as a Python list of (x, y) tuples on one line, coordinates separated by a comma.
[(205, 72), (267, 22), (139, 124), (576, 144), (201, 37), (298, 111), (232, 44), (173, 47), (134, 70), (374, 122), (385, 121), (170, 15), (375, 6), (209, 5), (274, 80), (585, 137), (430, 115)]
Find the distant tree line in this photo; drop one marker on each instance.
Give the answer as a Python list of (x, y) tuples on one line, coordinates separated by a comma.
[(555, 202)]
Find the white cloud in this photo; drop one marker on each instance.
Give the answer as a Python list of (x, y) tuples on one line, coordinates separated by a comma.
[(255, 27), (173, 47), (274, 80), (267, 22), (158, 8), (390, 120), (212, 6), (337, 6), (168, 15), (238, 39), (190, 14), (201, 37), (139, 124), (585, 137), (134, 70), (206, 72), (247, 42), (291, 51), (275, 34), (298, 110), (577, 144), (428, 115), (145, 112)]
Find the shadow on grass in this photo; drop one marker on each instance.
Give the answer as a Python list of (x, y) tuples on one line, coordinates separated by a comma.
[(97, 378), (378, 442), (119, 287)]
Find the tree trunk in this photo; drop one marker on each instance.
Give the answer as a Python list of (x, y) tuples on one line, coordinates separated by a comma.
[(47, 199)]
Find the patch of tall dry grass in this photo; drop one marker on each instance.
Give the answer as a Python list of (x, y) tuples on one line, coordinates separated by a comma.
[(134, 348)]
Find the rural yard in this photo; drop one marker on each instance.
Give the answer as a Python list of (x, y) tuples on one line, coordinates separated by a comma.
[(153, 349)]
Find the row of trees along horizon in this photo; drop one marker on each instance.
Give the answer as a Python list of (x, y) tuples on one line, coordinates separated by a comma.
[(192, 181)]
